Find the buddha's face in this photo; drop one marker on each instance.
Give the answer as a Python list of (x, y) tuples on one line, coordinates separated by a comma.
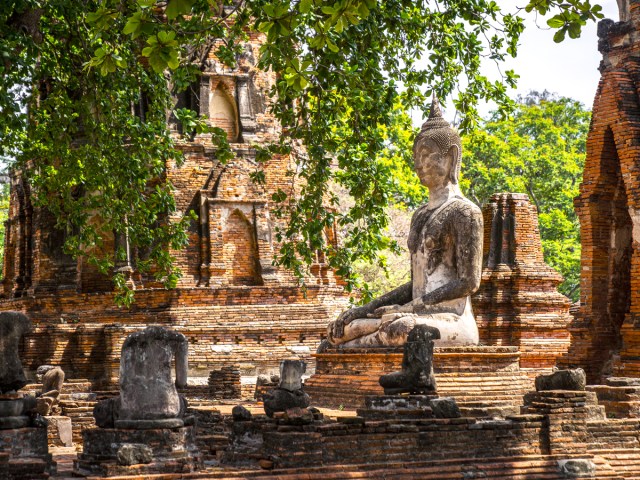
[(432, 166)]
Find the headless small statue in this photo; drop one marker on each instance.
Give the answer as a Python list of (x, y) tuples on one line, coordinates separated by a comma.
[(416, 376), (445, 242), (52, 379), (148, 396), (146, 388), (13, 325)]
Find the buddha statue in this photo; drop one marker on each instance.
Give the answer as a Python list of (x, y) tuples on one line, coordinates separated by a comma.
[(445, 242)]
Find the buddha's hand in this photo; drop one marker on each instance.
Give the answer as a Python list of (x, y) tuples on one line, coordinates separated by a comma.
[(336, 329), (387, 309)]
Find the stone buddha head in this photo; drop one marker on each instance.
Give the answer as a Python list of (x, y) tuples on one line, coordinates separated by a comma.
[(437, 150)]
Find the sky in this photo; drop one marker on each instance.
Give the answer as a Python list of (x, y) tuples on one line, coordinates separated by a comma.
[(569, 68)]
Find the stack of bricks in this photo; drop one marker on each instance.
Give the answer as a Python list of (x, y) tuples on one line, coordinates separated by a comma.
[(225, 383), (606, 332), (350, 440), (232, 303), (620, 397), (518, 303), (567, 413)]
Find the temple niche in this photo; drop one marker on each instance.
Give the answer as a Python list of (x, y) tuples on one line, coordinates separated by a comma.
[(232, 303), (223, 111), (605, 332)]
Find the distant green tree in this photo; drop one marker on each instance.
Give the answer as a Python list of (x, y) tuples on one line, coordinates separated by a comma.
[(540, 151)]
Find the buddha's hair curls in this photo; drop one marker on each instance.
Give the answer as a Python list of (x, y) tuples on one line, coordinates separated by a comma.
[(438, 130)]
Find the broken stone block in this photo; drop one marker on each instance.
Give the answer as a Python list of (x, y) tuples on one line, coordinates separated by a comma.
[(241, 414), (445, 407), (134, 454), (572, 379), (280, 400)]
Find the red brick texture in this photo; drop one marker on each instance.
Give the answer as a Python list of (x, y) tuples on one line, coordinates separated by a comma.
[(605, 333)]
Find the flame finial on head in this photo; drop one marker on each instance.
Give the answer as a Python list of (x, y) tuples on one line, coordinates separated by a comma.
[(435, 119)]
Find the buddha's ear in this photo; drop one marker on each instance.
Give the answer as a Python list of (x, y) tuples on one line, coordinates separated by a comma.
[(452, 160)]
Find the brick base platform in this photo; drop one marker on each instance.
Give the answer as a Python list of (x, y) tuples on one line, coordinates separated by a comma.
[(174, 451), (485, 381), (24, 454)]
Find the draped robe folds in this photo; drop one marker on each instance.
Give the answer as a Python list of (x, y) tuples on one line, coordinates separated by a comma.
[(446, 260)]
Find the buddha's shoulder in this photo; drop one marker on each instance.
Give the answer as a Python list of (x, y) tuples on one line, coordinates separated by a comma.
[(464, 207)]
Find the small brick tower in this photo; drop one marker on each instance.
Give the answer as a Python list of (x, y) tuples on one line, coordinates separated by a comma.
[(606, 329), (233, 305)]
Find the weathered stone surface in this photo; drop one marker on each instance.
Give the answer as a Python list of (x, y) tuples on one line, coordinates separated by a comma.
[(134, 453), (445, 242), (7, 423), (576, 467), (172, 450), (13, 325), (445, 407), (291, 372), (395, 402), (106, 412), (52, 378), (416, 376), (289, 393), (59, 431), (147, 390), (280, 400), (152, 424), (241, 414), (562, 380)]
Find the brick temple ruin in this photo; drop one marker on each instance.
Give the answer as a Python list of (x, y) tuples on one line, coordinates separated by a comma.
[(606, 332), (233, 305), (241, 316)]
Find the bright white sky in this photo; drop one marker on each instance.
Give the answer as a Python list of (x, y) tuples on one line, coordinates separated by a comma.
[(569, 69)]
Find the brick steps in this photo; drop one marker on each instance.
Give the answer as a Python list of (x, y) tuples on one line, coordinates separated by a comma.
[(624, 461), (520, 468)]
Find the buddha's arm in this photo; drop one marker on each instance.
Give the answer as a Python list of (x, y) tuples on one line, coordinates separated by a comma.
[(400, 295), (397, 296), (468, 236)]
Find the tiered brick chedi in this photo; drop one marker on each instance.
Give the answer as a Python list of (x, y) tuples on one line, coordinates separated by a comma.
[(606, 332), (232, 304)]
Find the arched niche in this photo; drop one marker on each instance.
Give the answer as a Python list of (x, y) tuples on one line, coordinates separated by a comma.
[(241, 250), (223, 112), (617, 236)]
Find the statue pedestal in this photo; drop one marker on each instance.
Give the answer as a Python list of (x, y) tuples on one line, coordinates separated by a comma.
[(24, 454), (485, 381), (107, 452)]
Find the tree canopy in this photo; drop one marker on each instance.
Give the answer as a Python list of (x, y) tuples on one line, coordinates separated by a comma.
[(540, 151), (85, 87)]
